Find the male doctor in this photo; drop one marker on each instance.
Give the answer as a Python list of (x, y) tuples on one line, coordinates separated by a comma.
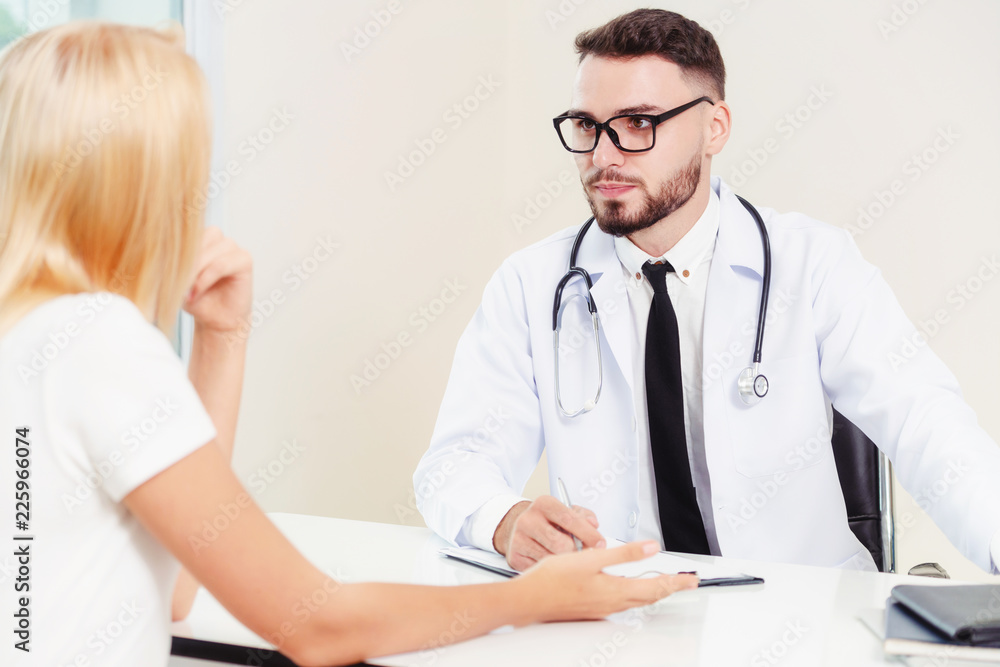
[(670, 450)]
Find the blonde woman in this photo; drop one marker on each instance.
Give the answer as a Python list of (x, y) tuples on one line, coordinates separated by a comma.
[(117, 457)]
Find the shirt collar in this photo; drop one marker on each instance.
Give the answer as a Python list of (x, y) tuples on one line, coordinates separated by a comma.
[(687, 254)]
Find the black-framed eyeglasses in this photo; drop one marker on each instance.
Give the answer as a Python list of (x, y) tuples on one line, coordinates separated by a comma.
[(632, 133)]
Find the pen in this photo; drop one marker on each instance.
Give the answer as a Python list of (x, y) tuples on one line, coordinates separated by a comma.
[(564, 499)]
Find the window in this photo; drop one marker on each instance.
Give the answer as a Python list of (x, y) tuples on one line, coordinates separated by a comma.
[(20, 17)]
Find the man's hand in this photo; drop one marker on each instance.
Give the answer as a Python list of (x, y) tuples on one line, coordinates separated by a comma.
[(531, 531), (222, 289)]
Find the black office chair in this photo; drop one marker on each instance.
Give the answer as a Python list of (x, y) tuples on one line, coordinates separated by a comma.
[(866, 480)]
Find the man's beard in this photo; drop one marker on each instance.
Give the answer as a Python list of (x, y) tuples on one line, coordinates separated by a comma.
[(611, 215)]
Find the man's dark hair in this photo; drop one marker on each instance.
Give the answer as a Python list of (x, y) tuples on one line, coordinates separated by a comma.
[(666, 34)]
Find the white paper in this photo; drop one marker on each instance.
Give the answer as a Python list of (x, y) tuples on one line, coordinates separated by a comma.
[(663, 563)]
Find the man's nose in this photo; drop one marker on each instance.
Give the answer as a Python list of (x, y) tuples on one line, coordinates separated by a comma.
[(607, 154)]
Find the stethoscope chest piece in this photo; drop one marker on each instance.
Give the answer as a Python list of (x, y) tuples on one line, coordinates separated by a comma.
[(752, 385)]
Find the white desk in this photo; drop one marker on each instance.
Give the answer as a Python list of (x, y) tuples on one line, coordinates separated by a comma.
[(801, 616)]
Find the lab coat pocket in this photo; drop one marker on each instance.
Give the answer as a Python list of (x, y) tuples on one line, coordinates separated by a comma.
[(788, 430)]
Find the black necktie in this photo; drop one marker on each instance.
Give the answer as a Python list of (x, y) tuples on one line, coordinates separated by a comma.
[(680, 518)]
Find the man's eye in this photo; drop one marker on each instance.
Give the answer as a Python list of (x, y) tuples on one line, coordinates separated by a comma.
[(638, 123), (585, 124)]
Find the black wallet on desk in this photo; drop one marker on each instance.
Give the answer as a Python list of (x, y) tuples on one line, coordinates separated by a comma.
[(962, 614)]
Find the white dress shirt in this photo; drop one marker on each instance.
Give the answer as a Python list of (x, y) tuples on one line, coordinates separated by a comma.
[(691, 258)]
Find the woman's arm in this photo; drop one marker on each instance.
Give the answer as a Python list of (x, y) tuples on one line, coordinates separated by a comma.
[(252, 569), (219, 302), (216, 371), (257, 574)]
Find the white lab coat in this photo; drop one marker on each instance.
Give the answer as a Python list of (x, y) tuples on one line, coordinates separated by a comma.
[(830, 336)]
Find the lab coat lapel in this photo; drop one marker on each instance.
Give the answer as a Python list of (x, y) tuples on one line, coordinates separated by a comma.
[(737, 269), (732, 300), (598, 256)]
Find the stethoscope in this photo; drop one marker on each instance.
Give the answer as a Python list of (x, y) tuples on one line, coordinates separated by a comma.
[(752, 385)]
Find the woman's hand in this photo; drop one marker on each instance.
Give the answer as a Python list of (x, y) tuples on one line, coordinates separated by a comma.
[(572, 586), (222, 290)]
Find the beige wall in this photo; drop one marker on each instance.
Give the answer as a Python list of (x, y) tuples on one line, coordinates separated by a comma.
[(886, 97)]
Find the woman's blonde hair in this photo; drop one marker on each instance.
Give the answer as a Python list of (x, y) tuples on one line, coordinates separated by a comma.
[(104, 159)]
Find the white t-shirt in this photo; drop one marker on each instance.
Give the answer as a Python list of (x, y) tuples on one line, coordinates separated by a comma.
[(108, 405)]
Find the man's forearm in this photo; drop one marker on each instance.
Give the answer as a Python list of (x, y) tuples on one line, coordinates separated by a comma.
[(216, 371)]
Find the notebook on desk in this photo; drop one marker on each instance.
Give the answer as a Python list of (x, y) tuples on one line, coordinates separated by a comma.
[(965, 614), (939, 622), (661, 563), (906, 634)]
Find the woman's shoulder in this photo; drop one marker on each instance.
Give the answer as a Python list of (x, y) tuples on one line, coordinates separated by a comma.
[(88, 329)]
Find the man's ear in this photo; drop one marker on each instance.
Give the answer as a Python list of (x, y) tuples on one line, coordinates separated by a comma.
[(717, 129)]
